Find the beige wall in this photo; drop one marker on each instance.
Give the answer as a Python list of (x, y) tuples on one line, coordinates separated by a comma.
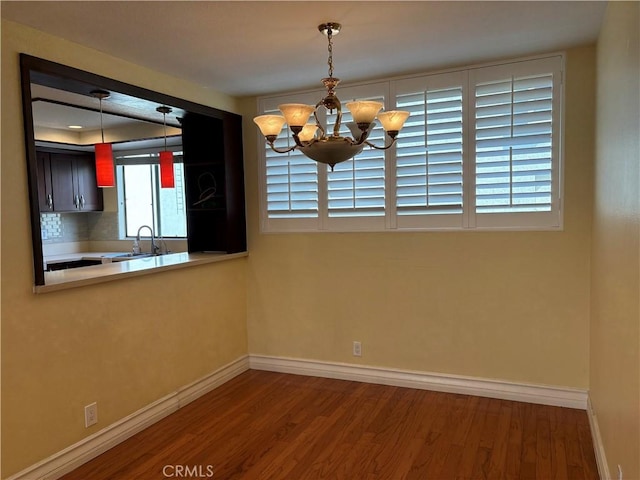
[(615, 324), (508, 305), (123, 344)]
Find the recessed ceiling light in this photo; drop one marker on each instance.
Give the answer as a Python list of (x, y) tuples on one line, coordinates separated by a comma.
[(75, 127)]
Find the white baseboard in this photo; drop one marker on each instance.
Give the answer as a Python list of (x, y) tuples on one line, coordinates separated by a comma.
[(598, 447), (88, 448), (545, 395)]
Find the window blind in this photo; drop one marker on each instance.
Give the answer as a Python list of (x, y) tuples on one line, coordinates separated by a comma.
[(513, 144), (356, 188), (291, 181), (429, 153)]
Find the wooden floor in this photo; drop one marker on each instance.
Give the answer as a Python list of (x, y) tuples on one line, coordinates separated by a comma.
[(265, 425)]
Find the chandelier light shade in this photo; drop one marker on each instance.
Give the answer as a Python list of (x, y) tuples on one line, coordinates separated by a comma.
[(270, 125), (167, 179), (312, 139), (105, 173)]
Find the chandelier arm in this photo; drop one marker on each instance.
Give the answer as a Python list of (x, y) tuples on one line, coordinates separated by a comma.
[(300, 143), (361, 139), (393, 140), (336, 126), (323, 133), (282, 150)]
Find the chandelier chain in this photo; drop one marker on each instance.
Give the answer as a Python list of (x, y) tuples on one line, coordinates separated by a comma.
[(330, 48)]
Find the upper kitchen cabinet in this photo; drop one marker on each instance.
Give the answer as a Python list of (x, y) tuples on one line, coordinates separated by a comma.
[(67, 182), (45, 189)]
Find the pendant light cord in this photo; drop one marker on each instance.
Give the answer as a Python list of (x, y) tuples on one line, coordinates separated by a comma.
[(164, 121), (101, 127)]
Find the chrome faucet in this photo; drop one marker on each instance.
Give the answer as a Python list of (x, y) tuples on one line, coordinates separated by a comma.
[(154, 247)]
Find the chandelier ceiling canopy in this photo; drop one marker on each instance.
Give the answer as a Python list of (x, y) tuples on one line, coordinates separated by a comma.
[(312, 139)]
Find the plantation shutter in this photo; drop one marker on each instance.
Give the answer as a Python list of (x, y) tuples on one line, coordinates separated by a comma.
[(291, 179), (516, 142), (429, 152), (357, 187), (481, 149)]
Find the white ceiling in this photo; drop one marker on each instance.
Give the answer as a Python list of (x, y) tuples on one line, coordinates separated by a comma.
[(252, 48)]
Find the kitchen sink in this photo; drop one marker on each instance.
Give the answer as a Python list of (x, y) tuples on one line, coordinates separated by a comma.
[(133, 256)]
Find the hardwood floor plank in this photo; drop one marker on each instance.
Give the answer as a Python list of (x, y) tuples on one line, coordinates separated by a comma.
[(272, 426), (586, 449), (543, 448), (529, 443), (558, 441), (472, 440), (421, 467), (514, 448), (497, 462)]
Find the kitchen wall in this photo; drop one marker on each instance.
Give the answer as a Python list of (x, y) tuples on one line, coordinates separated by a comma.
[(123, 344), (615, 285), (502, 305)]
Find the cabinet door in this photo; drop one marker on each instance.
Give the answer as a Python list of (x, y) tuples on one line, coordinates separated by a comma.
[(89, 195), (45, 192), (73, 183), (62, 182)]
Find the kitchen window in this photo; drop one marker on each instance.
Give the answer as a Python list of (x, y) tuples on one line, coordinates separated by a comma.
[(481, 150), (143, 202)]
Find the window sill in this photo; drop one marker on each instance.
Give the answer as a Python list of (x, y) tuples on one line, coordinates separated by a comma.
[(79, 277)]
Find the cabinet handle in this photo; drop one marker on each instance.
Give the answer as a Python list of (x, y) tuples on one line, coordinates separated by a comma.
[(50, 201), (76, 201), (82, 202)]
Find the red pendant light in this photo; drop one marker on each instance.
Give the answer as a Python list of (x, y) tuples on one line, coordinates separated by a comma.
[(166, 158), (105, 174), (104, 165), (166, 170)]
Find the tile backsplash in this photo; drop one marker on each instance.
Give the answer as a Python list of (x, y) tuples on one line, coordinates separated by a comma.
[(78, 227)]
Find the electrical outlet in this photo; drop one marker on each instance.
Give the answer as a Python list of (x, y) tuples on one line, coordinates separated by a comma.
[(357, 349), (91, 414), (619, 472)]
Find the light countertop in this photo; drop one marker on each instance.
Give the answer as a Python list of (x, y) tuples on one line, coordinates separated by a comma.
[(109, 271), (105, 257)]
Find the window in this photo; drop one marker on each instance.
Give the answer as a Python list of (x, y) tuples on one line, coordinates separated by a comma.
[(143, 202), (480, 150)]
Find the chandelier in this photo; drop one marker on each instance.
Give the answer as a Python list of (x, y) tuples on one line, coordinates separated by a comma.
[(312, 139)]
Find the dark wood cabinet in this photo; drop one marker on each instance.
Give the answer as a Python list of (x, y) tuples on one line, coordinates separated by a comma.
[(214, 175), (67, 182), (45, 189)]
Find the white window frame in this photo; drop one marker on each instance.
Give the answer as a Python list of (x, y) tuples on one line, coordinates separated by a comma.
[(529, 220), (468, 220), (151, 160), (448, 221)]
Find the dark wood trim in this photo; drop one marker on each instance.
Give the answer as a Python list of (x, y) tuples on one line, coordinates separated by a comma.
[(32, 169), (63, 77)]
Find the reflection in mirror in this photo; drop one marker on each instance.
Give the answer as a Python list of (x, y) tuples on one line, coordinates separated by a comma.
[(75, 223)]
